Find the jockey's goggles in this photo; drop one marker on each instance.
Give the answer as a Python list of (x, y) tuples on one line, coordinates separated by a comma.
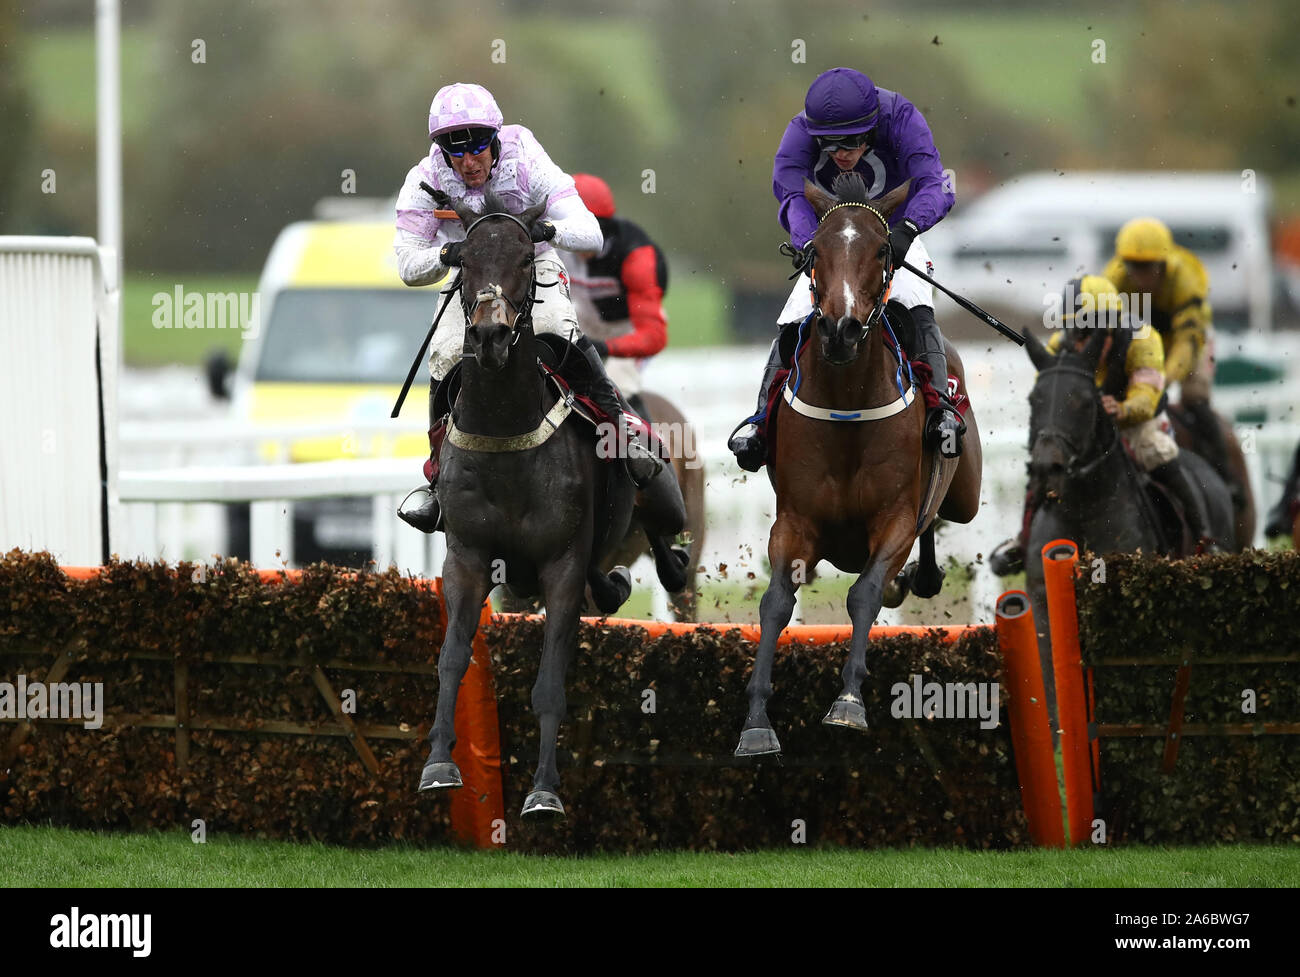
[(831, 144), (462, 141)]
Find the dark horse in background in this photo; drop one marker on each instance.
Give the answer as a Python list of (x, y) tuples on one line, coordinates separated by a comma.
[(689, 468), (521, 490), (1093, 493), (856, 493), (1189, 434)]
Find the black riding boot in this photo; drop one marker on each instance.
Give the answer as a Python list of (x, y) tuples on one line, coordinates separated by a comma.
[(943, 424), (426, 516), (1175, 477), (1279, 517), (643, 466), (746, 442), (641, 462)]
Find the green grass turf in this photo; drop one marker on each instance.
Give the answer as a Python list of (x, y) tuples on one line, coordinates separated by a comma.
[(59, 64), (34, 856), (734, 597), (1036, 65), (1029, 50), (144, 345)]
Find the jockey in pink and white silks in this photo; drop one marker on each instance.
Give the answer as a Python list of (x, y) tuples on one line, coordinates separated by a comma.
[(848, 125), (474, 152)]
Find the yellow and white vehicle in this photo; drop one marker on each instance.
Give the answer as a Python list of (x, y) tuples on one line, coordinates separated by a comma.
[(337, 334)]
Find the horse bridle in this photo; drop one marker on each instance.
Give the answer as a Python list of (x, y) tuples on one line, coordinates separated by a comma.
[(887, 276), (1073, 470), (494, 293)]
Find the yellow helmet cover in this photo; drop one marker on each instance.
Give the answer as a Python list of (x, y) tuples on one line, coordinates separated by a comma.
[(1144, 239), (1091, 302)]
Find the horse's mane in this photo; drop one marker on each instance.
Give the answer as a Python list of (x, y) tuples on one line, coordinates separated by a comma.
[(849, 189), (492, 204)]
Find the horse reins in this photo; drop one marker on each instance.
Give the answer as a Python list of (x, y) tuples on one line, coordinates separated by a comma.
[(906, 392), (523, 312), (493, 293), (888, 275), (1054, 433)]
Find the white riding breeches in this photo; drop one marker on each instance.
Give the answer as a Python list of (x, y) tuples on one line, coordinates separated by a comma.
[(1152, 443), (625, 371)]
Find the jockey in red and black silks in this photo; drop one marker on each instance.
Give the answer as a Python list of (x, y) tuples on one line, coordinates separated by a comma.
[(850, 125), (618, 291)]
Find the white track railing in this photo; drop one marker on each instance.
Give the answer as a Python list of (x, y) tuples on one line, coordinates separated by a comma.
[(174, 513), (154, 497), (58, 383)]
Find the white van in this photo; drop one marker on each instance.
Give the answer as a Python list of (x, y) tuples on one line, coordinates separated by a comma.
[(339, 328), (1018, 244)]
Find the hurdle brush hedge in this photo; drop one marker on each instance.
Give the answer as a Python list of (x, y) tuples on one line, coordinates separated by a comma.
[(1227, 604), (246, 650), (1229, 627), (637, 780), (129, 629)]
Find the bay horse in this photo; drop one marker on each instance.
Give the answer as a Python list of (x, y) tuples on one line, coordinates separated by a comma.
[(520, 490), (858, 490)]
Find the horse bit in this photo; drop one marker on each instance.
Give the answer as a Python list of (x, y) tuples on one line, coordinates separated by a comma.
[(811, 257)]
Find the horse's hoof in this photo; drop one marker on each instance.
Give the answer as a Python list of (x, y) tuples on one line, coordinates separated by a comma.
[(894, 592), (847, 711), (610, 591), (672, 571), (621, 577), (926, 586), (542, 805), (759, 741), (439, 775)]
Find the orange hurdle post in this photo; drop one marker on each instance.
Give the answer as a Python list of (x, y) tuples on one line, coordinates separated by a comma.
[(1031, 731), (1060, 558), (481, 801)]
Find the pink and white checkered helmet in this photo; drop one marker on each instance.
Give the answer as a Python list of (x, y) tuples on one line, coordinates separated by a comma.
[(463, 106)]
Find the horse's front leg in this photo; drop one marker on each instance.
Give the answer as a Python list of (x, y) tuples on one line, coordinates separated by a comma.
[(465, 584), (792, 552), (563, 589), (888, 553)]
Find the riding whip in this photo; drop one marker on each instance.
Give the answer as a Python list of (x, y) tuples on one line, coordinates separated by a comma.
[(441, 199), (419, 357), (970, 307)]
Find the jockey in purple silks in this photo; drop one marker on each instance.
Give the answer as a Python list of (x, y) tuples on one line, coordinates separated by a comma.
[(850, 125), (473, 151)]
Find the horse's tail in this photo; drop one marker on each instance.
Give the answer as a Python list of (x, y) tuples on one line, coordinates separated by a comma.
[(609, 590)]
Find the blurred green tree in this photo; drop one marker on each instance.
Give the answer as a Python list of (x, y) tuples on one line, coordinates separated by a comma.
[(15, 118)]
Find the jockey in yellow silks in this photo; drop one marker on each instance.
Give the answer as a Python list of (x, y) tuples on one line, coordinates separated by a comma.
[(1132, 398), (1174, 288)]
